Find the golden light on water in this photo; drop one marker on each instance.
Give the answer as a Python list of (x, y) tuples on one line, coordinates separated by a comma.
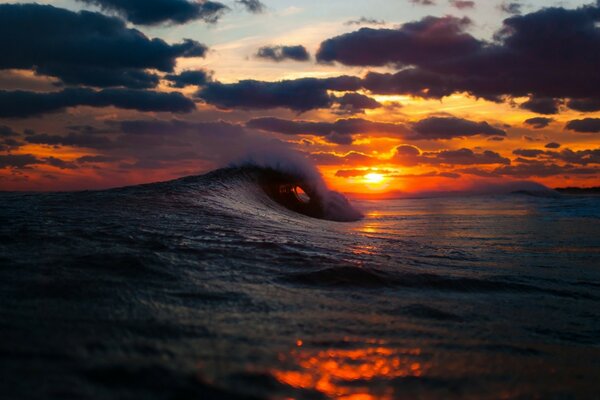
[(352, 373)]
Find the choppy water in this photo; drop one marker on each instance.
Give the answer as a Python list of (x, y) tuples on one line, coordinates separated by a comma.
[(206, 288)]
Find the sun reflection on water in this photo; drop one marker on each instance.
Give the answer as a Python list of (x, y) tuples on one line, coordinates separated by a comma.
[(350, 373)]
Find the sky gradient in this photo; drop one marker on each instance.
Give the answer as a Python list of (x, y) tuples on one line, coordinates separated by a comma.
[(383, 96)]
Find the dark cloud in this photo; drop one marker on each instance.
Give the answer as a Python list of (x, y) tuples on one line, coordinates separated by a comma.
[(463, 157), (58, 163), (531, 169), (25, 104), (97, 159), (298, 95), (350, 158), (177, 127), (143, 12), (407, 155), (410, 156), (345, 127), (533, 139), (541, 169), (432, 128), (72, 139), (452, 127), (355, 102), (412, 81), (528, 153), (253, 6), (281, 53), (539, 122), (549, 54), (365, 21), (423, 2), (18, 160), (547, 106), (431, 174), (579, 157), (416, 43), (462, 4), (552, 145), (6, 131), (512, 8), (189, 78), (155, 143), (584, 105), (85, 47), (591, 125)]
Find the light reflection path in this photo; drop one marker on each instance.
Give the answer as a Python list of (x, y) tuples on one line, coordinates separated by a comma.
[(360, 370)]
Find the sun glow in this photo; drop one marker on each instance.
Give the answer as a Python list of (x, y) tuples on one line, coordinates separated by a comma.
[(374, 177)]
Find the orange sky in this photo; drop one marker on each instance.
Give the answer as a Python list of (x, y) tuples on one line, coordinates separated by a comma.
[(90, 146)]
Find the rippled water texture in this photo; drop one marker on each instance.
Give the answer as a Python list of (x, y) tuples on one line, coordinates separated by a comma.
[(206, 288)]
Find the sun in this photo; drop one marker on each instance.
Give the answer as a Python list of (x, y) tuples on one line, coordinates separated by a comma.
[(373, 177)]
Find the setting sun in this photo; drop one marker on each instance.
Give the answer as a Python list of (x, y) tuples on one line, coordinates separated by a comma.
[(374, 178)]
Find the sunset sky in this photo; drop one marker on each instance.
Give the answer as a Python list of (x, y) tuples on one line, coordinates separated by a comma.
[(382, 95)]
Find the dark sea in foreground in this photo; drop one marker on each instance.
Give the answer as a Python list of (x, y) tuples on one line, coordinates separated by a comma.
[(206, 288)]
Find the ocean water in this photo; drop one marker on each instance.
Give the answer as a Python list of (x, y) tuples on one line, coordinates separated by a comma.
[(218, 287)]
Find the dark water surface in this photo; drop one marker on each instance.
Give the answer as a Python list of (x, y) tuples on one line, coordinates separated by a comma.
[(205, 288)]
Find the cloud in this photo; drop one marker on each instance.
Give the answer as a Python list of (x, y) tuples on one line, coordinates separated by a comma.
[(427, 41), (588, 125), (253, 6), (539, 122), (18, 160), (85, 47), (177, 127), (100, 159), (299, 95), (552, 145), (541, 169), (547, 106), (6, 131), (22, 104), (463, 157), (528, 153), (345, 127), (408, 155), (512, 8), (159, 144), (423, 2), (365, 21), (354, 173), (462, 4), (431, 174), (452, 127), (411, 81), (189, 78), (281, 53), (350, 158), (72, 139), (140, 12), (433, 128), (584, 105), (58, 163), (580, 157), (355, 103), (438, 57)]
